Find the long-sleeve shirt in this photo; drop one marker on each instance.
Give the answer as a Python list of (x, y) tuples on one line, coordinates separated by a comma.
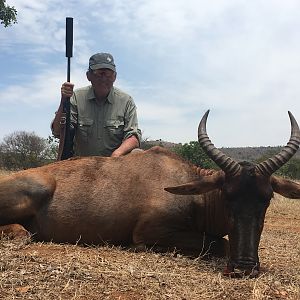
[(100, 128)]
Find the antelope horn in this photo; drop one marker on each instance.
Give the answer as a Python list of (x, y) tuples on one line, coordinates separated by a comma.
[(271, 165), (227, 164)]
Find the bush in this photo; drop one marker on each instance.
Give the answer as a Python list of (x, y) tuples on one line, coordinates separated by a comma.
[(194, 153), (291, 169), (23, 150)]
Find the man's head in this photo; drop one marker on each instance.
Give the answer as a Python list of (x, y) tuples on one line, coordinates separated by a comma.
[(102, 72)]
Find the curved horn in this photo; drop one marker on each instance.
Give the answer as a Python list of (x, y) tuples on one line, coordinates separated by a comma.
[(271, 165), (227, 164)]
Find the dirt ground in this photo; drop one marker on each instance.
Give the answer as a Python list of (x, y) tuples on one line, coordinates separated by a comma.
[(50, 271)]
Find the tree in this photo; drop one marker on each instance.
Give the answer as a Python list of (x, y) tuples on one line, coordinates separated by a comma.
[(147, 144), (23, 150), (8, 14), (51, 150), (194, 153), (291, 169)]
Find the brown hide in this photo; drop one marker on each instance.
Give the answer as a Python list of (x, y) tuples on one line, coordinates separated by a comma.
[(117, 200), (285, 187), (96, 200)]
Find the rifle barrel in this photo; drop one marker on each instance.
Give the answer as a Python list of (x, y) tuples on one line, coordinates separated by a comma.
[(69, 44), (66, 140)]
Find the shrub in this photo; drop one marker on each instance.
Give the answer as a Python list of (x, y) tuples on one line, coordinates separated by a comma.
[(23, 150)]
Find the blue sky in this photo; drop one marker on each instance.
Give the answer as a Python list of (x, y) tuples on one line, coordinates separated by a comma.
[(240, 59)]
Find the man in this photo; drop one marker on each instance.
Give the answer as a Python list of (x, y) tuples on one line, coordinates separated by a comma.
[(103, 118)]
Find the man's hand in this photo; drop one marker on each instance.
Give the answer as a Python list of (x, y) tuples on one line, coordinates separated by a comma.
[(116, 153), (127, 146), (67, 90)]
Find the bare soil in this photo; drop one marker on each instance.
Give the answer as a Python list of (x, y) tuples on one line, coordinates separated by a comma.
[(51, 271)]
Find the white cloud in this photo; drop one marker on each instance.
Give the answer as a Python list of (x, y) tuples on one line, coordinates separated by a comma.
[(177, 58), (43, 89)]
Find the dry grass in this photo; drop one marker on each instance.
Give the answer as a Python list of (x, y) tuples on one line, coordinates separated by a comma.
[(51, 271), (4, 172)]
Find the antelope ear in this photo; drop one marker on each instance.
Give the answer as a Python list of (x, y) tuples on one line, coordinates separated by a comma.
[(285, 187), (202, 185)]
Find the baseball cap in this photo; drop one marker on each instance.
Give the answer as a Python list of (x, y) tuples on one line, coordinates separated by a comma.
[(101, 61)]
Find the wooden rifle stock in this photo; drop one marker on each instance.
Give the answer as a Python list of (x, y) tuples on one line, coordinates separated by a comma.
[(65, 149)]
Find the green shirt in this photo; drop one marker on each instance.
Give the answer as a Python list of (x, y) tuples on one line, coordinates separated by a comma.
[(101, 128)]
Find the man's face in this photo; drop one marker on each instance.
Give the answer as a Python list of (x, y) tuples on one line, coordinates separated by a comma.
[(102, 78)]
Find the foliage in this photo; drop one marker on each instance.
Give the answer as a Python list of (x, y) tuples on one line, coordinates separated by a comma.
[(146, 144), (194, 153), (8, 14), (52, 148), (291, 169), (23, 150)]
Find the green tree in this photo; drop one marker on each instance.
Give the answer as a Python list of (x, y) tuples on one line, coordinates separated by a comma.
[(194, 153), (23, 150), (291, 169), (51, 151), (8, 14)]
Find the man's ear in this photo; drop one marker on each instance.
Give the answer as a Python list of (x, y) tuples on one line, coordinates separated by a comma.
[(88, 75), (115, 76)]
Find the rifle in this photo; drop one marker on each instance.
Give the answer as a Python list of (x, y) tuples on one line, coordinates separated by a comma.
[(65, 149)]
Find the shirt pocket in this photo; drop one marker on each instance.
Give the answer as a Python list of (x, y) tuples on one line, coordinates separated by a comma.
[(85, 126), (115, 128)]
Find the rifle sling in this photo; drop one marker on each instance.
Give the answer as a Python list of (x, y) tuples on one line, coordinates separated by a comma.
[(62, 136)]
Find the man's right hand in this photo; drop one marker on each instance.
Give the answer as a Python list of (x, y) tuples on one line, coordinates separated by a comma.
[(67, 90)]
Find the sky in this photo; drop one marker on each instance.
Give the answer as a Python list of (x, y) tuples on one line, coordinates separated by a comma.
[(177, 59)]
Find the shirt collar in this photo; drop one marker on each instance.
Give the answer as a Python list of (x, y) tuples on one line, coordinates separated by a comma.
[(110, 96)]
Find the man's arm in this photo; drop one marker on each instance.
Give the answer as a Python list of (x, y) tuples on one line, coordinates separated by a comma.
[(127, 146), (66, 92), (132, 135)]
